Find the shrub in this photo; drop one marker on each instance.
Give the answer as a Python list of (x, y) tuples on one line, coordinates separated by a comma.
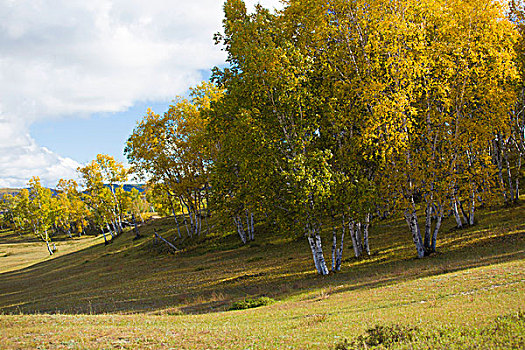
[(382, 336), (251, 303)]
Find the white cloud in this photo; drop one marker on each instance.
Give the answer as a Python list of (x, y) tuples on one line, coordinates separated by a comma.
[(21, 159), (74, 57)]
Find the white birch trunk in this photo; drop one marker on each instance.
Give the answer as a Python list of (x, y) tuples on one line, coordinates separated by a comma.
[(365, 234), (411, 219), (358, 238), (517, 187), (119, 222), (436, 229), (509, 175), (351, 229), (165, 241), (176, 221), (200, 223), (339, 258), (311, 241), (320, 256), (334, 248), (109, 230), (104, 235), (114, 227), (428, 225), (240, 229), (455, 210), (191, 220), (49, 248), (252, 228), (317, 251), (472, 208), (497, 150), (184, 217), (135, 226)]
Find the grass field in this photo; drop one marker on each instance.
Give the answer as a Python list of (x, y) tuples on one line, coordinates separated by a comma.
[(134, 294)]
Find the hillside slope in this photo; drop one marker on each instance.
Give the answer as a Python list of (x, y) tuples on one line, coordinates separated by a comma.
[(478, 274)]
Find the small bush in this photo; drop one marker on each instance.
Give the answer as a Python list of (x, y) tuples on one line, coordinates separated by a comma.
[(387, 335), (382, 336), (251, 303), (505, 332)]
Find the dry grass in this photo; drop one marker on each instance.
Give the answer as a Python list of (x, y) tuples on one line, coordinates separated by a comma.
[(133, 294)]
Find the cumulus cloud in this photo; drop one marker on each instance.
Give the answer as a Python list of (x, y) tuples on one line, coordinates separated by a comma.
[(21, 159), (64, 58)]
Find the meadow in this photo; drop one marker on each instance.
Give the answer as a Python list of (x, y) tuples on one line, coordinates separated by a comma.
[(137, 294)]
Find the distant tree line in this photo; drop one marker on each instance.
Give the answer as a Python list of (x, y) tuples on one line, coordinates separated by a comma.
[(103, 205)]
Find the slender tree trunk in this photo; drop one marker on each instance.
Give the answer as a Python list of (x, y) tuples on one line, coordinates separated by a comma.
[(463, 214), (200, 221), (472, 207), (137, 234), (411, 219), (455, 210), (497, 150), (49, 248), (436, 229), (110, 232), (351, 229), (193, 223), (517, 187), (240, 229), (184, 218), (358, 238), (334, 246), (428, 225), (366, 226), (114, 227), (509, 175), (120, 226), (252, 227), (317, 251), (339, 258)]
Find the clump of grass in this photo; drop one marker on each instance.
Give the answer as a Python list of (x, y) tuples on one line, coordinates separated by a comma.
[(172, 312), (505, 332), (251, 303), (312, 320)]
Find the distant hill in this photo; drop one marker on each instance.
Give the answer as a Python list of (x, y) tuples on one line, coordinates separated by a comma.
[(11, 191), (130, 187)]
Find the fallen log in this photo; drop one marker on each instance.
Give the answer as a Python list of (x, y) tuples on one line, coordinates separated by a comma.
[(165, 241)]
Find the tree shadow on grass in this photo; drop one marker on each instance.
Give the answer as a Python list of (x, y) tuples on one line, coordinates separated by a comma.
[(130, 277)]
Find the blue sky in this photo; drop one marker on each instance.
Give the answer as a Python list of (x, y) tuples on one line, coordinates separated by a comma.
[(83, 138), (76, 75)]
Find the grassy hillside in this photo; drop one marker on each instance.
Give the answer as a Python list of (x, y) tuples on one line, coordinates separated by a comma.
[(135, 294)]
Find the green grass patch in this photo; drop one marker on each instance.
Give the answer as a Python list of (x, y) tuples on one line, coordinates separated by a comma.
[(251, 303), (504, 332), (138, 294)]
